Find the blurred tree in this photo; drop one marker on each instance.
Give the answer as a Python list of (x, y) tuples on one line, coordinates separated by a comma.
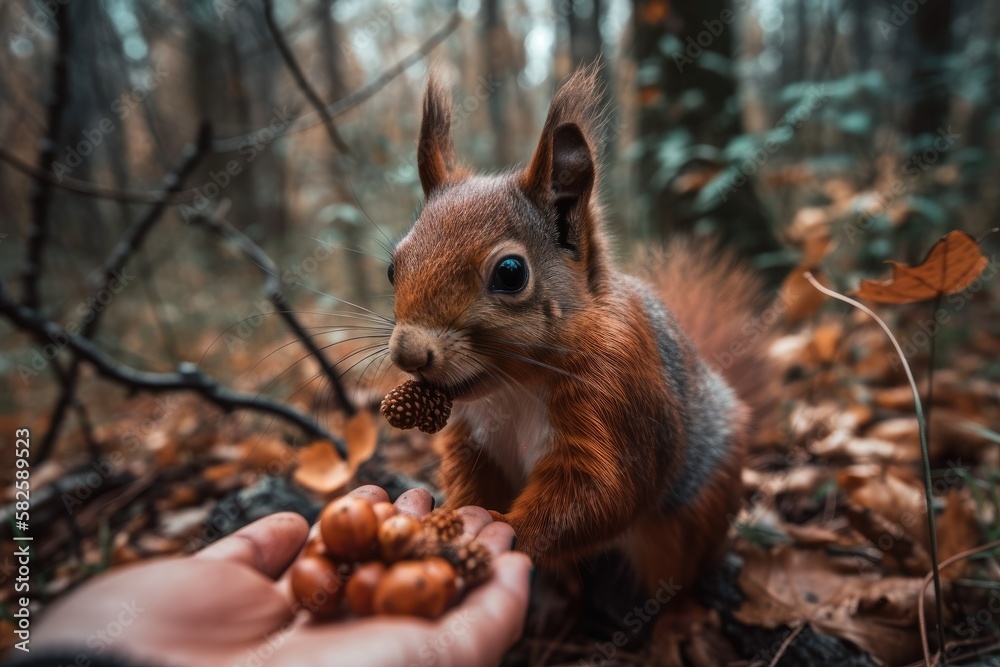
[(688, 112)]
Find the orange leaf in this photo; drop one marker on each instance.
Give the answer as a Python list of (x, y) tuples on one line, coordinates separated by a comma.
[(799, 297), (361, 436), (953, 264), (321, 469)]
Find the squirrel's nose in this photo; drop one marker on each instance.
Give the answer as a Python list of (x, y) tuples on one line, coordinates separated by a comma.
[(412, 348)]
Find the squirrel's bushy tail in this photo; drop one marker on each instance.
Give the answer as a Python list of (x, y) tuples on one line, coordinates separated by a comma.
[(722, 306)]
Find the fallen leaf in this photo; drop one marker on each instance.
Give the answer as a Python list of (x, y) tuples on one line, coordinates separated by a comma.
[(361, 437), (321, 469), (890, 538), (266, 453), (952, 264), (786, 586), (957, 530), (894, 493), (800, 298)]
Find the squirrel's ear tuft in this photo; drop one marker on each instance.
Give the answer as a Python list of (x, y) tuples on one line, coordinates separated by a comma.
[(563, 171), (435, 150)]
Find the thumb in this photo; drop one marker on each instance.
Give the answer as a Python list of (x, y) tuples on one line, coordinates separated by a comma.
[(267, 545)]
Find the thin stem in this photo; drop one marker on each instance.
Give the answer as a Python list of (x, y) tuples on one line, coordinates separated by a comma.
[(924, 452)]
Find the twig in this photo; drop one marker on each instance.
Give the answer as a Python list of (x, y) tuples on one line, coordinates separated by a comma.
[(923, 587), (41, 196), (89, 189), (276, 294), (785, 644), (188, 377), (924, 451), (358, 96), (122, 251), (300, 78)]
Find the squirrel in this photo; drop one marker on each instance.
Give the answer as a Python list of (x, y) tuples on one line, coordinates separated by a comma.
[(587, 413)]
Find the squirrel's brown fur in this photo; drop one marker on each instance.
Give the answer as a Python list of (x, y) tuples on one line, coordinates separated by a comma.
[(587, 412)]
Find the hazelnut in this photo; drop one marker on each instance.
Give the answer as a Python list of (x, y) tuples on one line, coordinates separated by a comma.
[(441, 571), (396, 536), (360, 588), (315, 546), (349, 528), (316, 585), (383, 511), (409, 588)]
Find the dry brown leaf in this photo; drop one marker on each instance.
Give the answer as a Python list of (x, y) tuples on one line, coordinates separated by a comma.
[(801, 299), (893, 492), (890, 538), (957, 530), (952, 264), (826, 341), (361, 437), (266, 453), (787, 586), (321, 469)]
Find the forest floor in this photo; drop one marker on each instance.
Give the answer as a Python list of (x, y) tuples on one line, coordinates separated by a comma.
[(829, 555)]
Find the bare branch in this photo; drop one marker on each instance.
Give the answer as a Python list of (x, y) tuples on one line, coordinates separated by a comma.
[(188, 377), (276, 294), (359, 96), (300, 78), (41, 196), (120, 254), (88, 189)]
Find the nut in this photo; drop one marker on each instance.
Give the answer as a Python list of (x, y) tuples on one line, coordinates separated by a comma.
[(396, 537), (349, 529), (383, 511), (416, 404), (410, 588), (316, 585), (360, 588)]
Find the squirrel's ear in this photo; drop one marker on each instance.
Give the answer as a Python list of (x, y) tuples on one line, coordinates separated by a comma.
[(435, 151), (563, 170)]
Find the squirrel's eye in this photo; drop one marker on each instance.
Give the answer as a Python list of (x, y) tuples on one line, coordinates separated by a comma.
[(511, 275), (392, 274)]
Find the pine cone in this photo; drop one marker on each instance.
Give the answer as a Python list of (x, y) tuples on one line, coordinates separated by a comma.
[(415, 404), (444, 525), (472, 561)]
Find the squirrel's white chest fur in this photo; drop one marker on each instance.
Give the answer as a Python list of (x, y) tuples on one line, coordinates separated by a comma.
[(512, 427)]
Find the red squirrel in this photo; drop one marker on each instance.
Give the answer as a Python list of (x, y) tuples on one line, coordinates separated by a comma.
[(587, 413)]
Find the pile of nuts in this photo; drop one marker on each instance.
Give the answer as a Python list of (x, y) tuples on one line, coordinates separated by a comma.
[(374, 560)]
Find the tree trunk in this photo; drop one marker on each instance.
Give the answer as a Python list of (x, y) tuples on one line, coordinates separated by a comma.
[(688, 110)]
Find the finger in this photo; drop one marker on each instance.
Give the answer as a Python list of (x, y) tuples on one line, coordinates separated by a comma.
[(371, 493), (415, 502), (498, 537), (494, 613), (474, 519), (267, 545)]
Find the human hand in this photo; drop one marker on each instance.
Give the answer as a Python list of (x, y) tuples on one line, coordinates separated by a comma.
[(230, 604)]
